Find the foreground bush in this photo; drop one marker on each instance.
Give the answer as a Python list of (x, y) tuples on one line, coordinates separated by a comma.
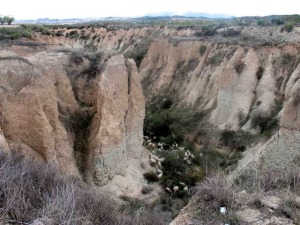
[(14, 33), (31, 192)]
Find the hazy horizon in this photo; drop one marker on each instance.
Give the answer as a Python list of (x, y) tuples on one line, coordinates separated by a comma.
[(31, 9)]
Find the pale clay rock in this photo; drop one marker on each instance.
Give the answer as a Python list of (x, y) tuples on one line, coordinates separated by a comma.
[(37, 98)]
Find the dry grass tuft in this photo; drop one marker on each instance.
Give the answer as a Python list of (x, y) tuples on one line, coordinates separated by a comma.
[(30, 192)]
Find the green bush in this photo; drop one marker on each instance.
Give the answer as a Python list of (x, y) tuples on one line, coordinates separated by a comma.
[(73, 34), (202, 50), (261, 23), (237, 140), (268, 123), (277, 21), (168, 123), (38, 28), (151, 177), (265, 123), (289, 26), (209, 31), (215, 60), (14, 33)]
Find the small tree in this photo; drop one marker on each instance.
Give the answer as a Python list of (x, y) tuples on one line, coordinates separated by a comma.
[(9, 20), (2, 20)]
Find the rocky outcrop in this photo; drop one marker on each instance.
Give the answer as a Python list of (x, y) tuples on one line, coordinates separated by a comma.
[(45, 96), (233, 82), (236, 87), (116, 132)]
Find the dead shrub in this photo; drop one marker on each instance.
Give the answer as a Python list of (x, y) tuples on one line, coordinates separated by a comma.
[(217, 192), (272, 180), (31, 192)]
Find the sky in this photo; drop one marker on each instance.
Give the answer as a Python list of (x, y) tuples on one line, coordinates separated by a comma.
[(63, 9)]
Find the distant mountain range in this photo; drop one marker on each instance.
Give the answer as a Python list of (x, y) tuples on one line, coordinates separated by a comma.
[(192, 14), (153, 15)]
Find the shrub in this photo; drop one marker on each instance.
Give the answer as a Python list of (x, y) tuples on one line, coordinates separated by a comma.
[(202, 50), (215, 60), (259, 72), (231, 33), (73, 34), (272, 180), (289, 26), (38, 28), (268, 123), (217, 192), (76, 57), (32, 193), (239, 67), (237, 140), (195, 174), (198, 34), (177, 170), (146, 189), (287, 59), (14, 33), (139, 51), (209, 31), (261, 23), (151, 177), (277, 21)]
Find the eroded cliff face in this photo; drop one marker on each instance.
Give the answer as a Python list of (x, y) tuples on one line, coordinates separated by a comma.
[(234, 86), (55, 111)]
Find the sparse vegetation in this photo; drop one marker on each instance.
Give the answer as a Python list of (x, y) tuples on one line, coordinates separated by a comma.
[(267, 123), (213, 193), (231, 32), (216, 59), (139, 51), (217, 191), (32, 193), (14, 33), (237, 140), (73, 34), (38, 28), (77, 57)]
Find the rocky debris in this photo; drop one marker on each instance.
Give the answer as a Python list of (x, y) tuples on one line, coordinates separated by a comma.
[(265, 208)]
